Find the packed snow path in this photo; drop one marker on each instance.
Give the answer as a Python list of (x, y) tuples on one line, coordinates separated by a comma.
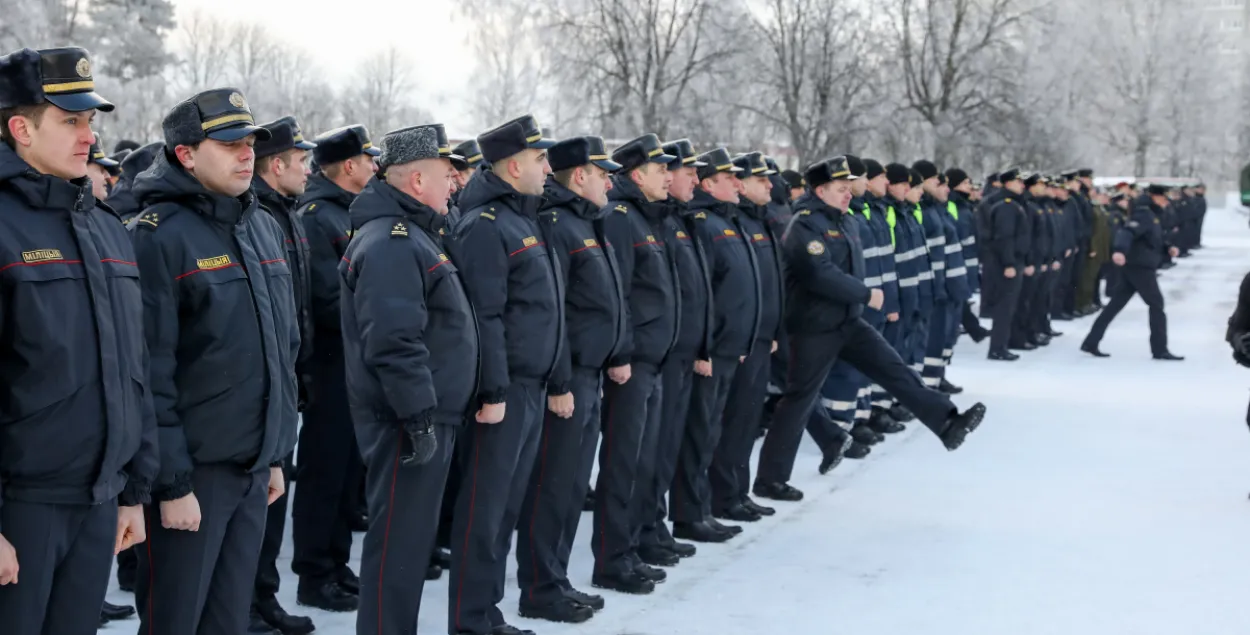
[(1100, 496)]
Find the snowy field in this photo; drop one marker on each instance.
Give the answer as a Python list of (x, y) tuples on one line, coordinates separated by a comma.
[(1100, 496)]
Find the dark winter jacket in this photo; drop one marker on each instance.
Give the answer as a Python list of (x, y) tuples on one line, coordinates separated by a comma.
[(1141, 239), (772, 278), (76, 420), (824, 278), (323, 208), (735, 275), (298, 258), (964, 213), (694, 339), (649, 277), (221, 327), (410, 341), (512, 281), (594, 301), (908, 258)]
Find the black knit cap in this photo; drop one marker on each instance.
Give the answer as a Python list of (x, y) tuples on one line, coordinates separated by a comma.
[(926, 169), (897, 173), (956, 177), (856, 165), (873, 168), (1158, 189), (913, 178)]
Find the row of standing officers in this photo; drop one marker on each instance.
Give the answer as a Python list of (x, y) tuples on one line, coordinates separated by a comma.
[(569, 297)]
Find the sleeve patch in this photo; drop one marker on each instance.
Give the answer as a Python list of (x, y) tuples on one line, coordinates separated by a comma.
[(815, 248)]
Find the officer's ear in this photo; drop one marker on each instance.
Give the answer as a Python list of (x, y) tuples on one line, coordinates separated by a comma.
[(185, 156)]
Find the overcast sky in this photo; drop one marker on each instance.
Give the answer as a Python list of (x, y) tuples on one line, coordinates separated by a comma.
[(340, 35)]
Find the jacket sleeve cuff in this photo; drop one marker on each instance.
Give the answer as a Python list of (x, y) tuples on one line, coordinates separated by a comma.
[(619, 360), (136, 492), (180, 487), (558, 388), (418, 423), (495, 396)]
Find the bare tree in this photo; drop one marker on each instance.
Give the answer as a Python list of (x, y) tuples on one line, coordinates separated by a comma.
[(952, 54), (206, 44), (382, 96)]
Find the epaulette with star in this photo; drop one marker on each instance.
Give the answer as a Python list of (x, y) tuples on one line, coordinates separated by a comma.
[(700, 216), (149, 219), (399, 229), (622, 209)]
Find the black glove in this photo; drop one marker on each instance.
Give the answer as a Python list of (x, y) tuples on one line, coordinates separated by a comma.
[(421, 434), (1241, 344)]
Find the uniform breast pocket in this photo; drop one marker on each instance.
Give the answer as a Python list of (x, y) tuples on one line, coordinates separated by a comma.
[(127, 301), (55, 347), (215, 287), (588, 265)]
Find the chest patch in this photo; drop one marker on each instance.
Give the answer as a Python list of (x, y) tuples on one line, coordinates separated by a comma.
[(833, 233), (758, 237), (730, 232), (590, 242), (681, 234), (815, 248), (216, 262), (529, 241), (42, 255)]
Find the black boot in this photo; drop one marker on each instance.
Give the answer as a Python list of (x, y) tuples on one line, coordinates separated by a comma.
[(327, 596), (1002, 356), (441, 557), (756, 507), (585, 599), (258, 626), (898, 412), (589, 504), (348, 580), (564, 609), (699, 532), (732, 530), (274, 615), (1092, 349), (434, 572), (737, 513), (959, 426), (857, 451), (631, 582), (113, 612), (949, 388), (657, 556), (508, 629), (1168, 357), (881, 421), (777, 492), (863, 435)]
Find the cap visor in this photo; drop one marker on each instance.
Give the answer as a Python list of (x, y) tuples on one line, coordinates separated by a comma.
[(697, 164), (306, 145), (108, 163), (662, 158), (238, 132), (768, 173), (80, 102), (542, 144), (735, 169), (373, 152), (610, 166)]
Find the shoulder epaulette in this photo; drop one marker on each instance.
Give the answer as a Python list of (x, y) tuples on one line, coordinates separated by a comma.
[(805, 212), (488, 215), (399, 229), (622, 209), (151, 219), (700, 216), (310, 207), (1007, 199)]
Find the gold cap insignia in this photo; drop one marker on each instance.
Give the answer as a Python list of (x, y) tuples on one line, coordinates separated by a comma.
[(83, 67), (237, 100), (815, 248)]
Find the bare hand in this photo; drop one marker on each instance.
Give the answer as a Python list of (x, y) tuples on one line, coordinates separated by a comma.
[(1045, 268), (277, 484), (130, 528), (1093, 254), (491, 413), (703, 367), (1028, 271), (561, 405), (182, 514), (774, 349), (1009, 273), (8, 562), (1067, 253), (1057, 265), (876, 299), (620, 374), (1173, 251), (1118, 259), (891, 317)]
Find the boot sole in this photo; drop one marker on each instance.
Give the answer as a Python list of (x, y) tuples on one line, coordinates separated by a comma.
[(537, 615), (625, 591)]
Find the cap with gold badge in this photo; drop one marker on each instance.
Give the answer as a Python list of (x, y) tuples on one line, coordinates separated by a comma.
[(60, 76), (97, 156), (220, 114)]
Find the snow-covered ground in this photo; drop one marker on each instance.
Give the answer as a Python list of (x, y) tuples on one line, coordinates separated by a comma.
[(1101, 496)]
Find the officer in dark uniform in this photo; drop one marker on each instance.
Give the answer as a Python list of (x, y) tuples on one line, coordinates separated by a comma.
[(735, 298), (730, 474), (515, 287), (963, 209), (1030, 302), (280, 178), (1138, 251), (1004, 236), (223, 333), (667, 221), (631, 397), (122, 197), (98, 166), (410, 348), (572, 222), (78, 450), (824, 323), (329, 462)]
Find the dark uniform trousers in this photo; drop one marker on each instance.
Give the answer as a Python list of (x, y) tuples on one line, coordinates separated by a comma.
[(677, 378), (690, 499), (1135, 280), (1063, 298), (403, 519), (631, 425), (200, 582), (1076, 271), (812, 356), (918, 339), (500, 458), (327, 492), (1003, 310), (934, 363), (65, 553), (730, 473), (552, 508), (268, 580), (1042, 302), (1030, 295)]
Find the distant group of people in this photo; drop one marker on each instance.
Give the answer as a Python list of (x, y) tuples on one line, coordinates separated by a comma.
[(468, 331)]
